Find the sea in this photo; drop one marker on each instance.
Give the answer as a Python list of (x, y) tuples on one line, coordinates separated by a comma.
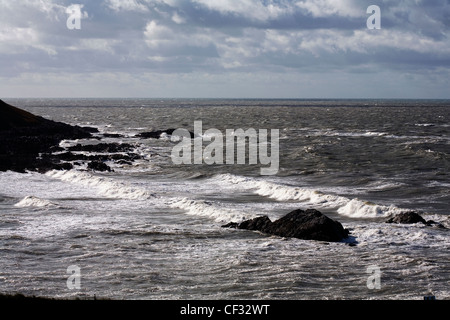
[(152, 229)]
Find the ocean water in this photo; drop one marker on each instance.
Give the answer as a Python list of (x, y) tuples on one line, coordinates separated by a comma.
[(152, 230)]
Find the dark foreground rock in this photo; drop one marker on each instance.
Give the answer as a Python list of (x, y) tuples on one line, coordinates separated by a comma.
[(412, 217), (25, 136), (308, 225)]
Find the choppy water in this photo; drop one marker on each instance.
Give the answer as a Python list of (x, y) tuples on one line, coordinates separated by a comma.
[(153, 230)]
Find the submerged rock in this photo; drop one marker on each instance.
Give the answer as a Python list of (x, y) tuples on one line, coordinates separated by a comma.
[(412, 217), (99, 166), (103, 147), (407, 217), (157, 134), (308, 225), (113, 135), (154, 134)]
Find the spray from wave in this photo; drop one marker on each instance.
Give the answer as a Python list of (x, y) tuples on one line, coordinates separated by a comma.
[(355, 208), (112, 188), (211, 210), (105, 186), (31, 201)]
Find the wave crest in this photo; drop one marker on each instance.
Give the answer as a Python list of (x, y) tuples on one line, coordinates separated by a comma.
[(32, 201), (355, 208), (104, 186)]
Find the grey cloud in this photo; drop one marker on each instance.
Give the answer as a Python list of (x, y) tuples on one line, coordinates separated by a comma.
[(189, 36)]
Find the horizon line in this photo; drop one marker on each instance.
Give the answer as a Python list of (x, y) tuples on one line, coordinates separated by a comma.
[(221, 98)]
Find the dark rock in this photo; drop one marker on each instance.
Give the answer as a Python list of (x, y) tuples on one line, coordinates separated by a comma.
[(56, 149), (124, 162), (152, 134), (434, 223), (407, 217), (103, 147), (65, 166), (308, 225), (157, 134), (112, 135), (258, 224), (43, 165), (126, 157), (13, 117), (90, 129), (29, 142), (413, 217), (76, 158), (65, 156), (231, 225), (99, 166), (25, 136)]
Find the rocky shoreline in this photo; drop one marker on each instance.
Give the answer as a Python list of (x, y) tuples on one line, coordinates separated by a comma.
[(31, 143)]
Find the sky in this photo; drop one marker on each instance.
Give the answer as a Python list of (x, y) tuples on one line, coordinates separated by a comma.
[(224, 49)]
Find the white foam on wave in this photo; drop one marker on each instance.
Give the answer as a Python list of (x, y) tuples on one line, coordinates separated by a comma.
[(211, 210), (68, 143), (418, 236), (31, 201), (105, 186), (364, 209), (382, 185), (424, 125), (337, 133), (355, 208)]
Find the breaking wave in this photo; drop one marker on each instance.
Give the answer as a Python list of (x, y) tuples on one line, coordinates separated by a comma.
[(31, 201), (355, 208), (105, 186), (211, 210)]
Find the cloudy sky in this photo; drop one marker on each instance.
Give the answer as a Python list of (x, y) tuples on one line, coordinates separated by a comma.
[(225, 48)]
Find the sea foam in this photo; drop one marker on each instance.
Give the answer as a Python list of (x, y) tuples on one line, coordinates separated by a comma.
[(31, 201), (210, 209), (104, 186), (355, 208)]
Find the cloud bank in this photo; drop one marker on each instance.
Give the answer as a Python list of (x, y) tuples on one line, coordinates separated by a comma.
[(225, 48)]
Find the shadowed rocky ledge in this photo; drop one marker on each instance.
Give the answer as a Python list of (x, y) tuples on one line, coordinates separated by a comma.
[(29, 143), (307, 225), (24, 136)]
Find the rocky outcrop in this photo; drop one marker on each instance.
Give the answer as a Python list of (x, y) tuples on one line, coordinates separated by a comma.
[(308, 225), (157, 134), (412, 217), (24, 137), (407, 217), (30, 142)]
